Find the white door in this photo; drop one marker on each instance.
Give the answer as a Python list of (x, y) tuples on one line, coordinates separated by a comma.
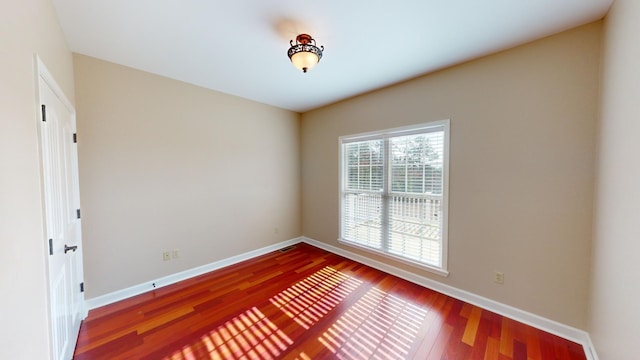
[(62, 215)]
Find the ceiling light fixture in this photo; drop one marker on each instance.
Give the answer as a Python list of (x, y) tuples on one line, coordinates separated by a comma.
[(304, 54)]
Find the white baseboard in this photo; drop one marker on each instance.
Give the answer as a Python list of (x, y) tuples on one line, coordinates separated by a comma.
[(183, 275), (590, 349), (553, 327)]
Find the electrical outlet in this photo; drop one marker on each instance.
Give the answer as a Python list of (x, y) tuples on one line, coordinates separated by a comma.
[(498, 277), (166, 256), (175, 253)]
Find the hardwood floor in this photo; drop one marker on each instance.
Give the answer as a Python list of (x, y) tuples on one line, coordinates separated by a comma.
[(306, 303)]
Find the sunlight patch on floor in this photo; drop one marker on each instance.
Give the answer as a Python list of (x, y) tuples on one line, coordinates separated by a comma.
[(249, 335), (377, 326), (309, 300)]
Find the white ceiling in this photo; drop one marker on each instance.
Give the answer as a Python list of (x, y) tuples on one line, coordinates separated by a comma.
[(239, 47)]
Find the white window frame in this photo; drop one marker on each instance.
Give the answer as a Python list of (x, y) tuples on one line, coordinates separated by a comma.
[(384, 135)]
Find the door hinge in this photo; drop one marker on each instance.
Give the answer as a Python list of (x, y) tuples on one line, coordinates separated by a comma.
[(44, 112), (50, 246), (82, 286), (75, 138), (78, 213)]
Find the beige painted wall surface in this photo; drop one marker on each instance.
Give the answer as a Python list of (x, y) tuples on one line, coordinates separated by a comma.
[(26, 27), (165, 165), (522, 167), (614, 321)]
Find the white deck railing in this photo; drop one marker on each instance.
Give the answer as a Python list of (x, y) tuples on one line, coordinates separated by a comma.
[(414, 226)]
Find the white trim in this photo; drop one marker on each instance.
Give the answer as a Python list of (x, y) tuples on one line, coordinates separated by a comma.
[(386, 134), (45, 75), (444, 245), (391, 256), (590, 349), (398, 131), (551, 326), (183, 275)]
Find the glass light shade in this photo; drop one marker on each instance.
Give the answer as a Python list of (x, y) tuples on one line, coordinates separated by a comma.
[(304, 54), (304, 60)]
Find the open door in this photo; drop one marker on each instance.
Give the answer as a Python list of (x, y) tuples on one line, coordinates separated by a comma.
[(61, 195)]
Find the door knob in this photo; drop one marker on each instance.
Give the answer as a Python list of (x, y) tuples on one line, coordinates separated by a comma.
[(70, 248)]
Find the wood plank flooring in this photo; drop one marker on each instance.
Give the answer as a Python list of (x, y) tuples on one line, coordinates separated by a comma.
[(306, 303)]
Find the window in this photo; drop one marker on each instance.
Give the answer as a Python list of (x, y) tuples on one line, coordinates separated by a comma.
[(394, 193)]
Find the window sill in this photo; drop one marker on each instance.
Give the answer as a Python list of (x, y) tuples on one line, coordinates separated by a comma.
[(431, 269)]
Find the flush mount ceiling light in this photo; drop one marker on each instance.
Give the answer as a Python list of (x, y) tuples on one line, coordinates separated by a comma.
[(304, 54)]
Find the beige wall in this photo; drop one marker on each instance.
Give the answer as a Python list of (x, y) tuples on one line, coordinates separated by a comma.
[(614, 321), (522, 167), (157, 158), (165, 165), (26, 27)]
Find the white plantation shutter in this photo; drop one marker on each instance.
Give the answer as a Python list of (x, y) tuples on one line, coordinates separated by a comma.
[(393, 195), (415, 197), (362, 194)]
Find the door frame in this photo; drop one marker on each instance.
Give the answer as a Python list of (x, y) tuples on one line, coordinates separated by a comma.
[(42, 73)]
